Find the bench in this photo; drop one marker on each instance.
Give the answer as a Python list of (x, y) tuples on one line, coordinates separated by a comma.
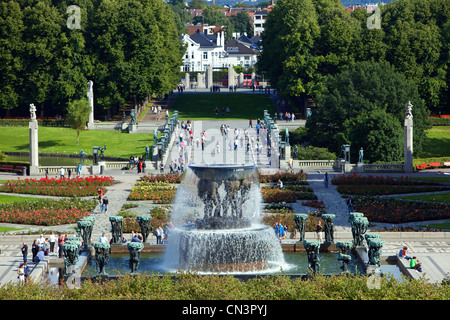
[(435, 164), (422, 166), (9, 167)]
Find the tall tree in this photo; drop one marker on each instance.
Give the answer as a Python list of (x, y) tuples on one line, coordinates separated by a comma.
[(366, 91), (11, 62)]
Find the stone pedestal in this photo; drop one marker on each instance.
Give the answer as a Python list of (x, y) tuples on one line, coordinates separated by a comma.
[(408, 153), (132, 128), (231, 81), (187, 81), (209, 77), (200, 81), (34, 151)]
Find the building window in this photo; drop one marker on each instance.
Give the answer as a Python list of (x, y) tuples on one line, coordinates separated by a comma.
[(205, 55), (247, 57), (258, 25)]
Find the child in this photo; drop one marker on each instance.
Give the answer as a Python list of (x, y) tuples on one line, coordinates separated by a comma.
[(414, 264)]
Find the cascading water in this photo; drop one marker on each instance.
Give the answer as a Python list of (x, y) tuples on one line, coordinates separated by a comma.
[(216, 214)]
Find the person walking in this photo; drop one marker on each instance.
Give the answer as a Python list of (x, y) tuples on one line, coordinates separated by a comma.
[(159, 233), (104, 205), (326, 180)]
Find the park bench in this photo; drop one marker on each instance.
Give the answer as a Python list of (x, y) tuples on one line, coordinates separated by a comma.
[(422, 166), (435, 164), (9, 167)]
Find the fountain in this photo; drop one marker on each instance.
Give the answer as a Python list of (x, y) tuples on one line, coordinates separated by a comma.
[(228, 237)]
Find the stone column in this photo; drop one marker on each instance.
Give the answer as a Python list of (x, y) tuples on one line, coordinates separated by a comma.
[(241, 80), (187, 80), (231, 81), (200, 81), (408, 139), (90, 97), (34, 150), (209, 77)]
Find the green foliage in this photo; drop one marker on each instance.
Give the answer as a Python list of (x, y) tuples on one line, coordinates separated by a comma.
[(314, 153), (364, 106), (129, 48), (307, 41), (77, 115), (189, 286)]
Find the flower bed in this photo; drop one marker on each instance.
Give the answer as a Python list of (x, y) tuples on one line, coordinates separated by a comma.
[(160, 216), (400, 211), (355, 184), (46, 212), (286, 218), (76, 187), (168, 177), (273, 194), (158, 192), (283, 176)]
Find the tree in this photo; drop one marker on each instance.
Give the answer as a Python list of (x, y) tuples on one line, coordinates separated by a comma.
[(78, 114), (290, 33), (363, 92), (11, 62)]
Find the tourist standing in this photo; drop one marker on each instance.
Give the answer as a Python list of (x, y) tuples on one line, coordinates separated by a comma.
[(325, 180), (24, 251), (61, 173), (319, 231), (103, 238), (34, 249), (21, 274), (53, 239), (159, 233), (350, 205)]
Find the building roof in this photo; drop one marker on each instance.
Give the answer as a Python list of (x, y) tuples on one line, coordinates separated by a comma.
[(234, 46)]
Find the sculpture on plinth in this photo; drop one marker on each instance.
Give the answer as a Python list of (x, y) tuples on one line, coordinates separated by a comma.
[(85, 227), (71, 249), (300, 220), (345, 248), (101, 257), (116, 229), (145, 224), (359, 225), (375, 245), (312, 249), (32, 112), (82, 156), (135, 249), (133, 116), (328, 226), (361, 155)]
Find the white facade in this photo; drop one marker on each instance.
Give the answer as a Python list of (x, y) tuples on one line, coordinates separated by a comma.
[(199, 56), (210, 50), (259, 19)]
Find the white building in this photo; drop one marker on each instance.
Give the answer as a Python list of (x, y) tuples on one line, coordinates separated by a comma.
[(205, 50), (259, 19)]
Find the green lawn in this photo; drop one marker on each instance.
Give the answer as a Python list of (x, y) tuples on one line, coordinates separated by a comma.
[(242, 106), (437, 142), (439, 197), (11, 199), (63, 140)]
